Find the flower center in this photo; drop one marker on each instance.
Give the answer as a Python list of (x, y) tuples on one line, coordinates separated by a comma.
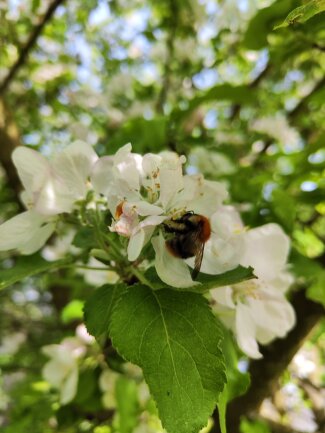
[(244, 290)]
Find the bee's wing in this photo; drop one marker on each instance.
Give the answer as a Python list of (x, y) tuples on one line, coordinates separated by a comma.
[(198, 260)]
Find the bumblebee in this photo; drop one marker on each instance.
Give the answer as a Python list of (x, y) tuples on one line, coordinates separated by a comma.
[(191, 231)]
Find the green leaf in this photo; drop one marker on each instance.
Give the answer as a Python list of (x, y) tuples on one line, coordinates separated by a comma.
[(237, 382), (303, 13), (224, 92), (126, 394), (72, 311), (146, 135), (87, 384), (35, 5), (284, 207), (229, 278), (175, 339), (98, 308), (316, 292), (312, 274), (247, 426), (27, 266), (208, 282), (263, 22)]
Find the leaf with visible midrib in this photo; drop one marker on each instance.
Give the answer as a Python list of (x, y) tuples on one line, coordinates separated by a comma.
[(303, 13), (175, 338), (207, 282)]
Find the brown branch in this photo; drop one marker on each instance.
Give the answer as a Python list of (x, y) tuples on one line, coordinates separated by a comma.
[(293, 115), (316, 397), (9, 134), (235, 110), (301, 106), (9, 140), (276, 357), (25, 50)]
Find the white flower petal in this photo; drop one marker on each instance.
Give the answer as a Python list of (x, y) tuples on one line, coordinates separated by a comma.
[(226, 222), (135, 245), (128, 166), (33, 168), (102, 175), (282, 281), (54, 373), (38, 239), (26, 232), (144, 208), (72, 169), (142, 234), (223, 296), (211, 196), (69, 386), (246, 332), (170, 177), (150, 164), (54, 198), (221, 255), (171, 270), (266, 250), (126, 224), (153, 220), (273, 318)]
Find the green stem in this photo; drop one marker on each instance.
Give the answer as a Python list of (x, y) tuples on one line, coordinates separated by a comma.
[(140, 276), (91, 268)]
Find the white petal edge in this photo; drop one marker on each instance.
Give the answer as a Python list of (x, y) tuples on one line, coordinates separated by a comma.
[(171, 270), (26, 232), (246, 332)]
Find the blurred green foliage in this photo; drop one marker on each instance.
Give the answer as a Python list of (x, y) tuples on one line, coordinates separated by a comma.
[(242, 81)]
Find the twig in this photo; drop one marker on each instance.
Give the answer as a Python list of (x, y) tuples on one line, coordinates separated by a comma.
[(235, 110), (301, 106), (25, 50)]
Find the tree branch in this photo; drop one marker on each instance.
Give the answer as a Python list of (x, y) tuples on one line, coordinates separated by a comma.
[(301, 106), (276, 357), (9, 140), (235, 110), (25, 50)]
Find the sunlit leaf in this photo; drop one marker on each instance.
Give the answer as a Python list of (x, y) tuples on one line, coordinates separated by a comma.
[(175, 339), (303, 13)]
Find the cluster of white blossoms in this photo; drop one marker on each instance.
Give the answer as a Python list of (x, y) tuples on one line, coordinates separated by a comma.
[(142, 193), (62, 370)]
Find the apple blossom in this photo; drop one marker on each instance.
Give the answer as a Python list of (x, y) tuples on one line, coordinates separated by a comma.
[(143, 192), (62, 369), (27, 232), (98, 277), (107, 381), (11, 343), (257, 310), (51, 188)]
